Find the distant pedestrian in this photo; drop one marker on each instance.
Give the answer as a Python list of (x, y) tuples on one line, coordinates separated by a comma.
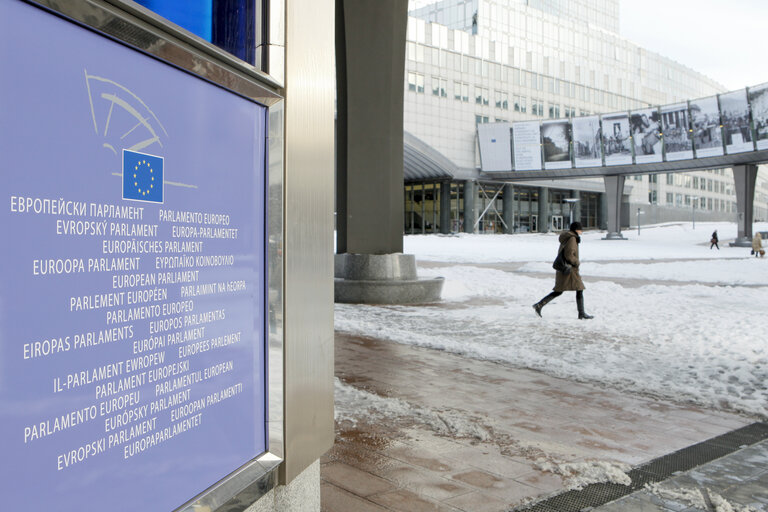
[(714, 240), (569, 244), (757, 244)]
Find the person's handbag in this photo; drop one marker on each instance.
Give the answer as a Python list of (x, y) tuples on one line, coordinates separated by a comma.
[(561, 265)]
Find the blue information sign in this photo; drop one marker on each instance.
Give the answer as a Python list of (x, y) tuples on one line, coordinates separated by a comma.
[(132, 351)]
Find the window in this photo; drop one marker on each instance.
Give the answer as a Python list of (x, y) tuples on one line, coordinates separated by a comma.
[(439, 87), (678, 199), (481, 96), (670, 198), (537, 107), (652, 197), (670, 178), (695, 182), (709, 185), (481, 119), (501, 100), (638, 177), (415, 82), (461, 91), (216, 22), (709, 203), (411, 81), (554, 111), (653, 178)]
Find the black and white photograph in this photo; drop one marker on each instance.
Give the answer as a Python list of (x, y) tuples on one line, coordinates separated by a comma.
[(587, 147), (556, 142), (526, 142), (705, 123), (758, 102), (617, 143), (676, 132), (734, 113), (645, 126)]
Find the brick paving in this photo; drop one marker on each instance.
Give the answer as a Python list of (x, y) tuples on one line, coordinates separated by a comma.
[(529, 418)]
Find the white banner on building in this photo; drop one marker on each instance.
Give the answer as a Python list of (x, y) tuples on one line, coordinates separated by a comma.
[(526, 140), (617, 143), (705, 122), (495, 151), (676, 135), (734, 112), (587, 147), (758, 102), (556, 144), (645, 126)]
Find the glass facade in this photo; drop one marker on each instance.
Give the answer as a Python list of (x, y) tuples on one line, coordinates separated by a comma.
[(547, 58)]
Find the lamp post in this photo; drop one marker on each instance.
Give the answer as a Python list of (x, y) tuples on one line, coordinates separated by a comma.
[(694, 200), (571, 201), (639, 213)]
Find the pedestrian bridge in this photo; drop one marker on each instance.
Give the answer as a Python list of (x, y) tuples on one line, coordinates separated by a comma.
[(725, 130)]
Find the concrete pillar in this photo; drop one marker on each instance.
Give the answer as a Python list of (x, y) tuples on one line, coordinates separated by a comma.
[(370, 67), (576, 207), (445, 207), (470, 193), (370, 70), (507, 207), (543, 226), (614, 189), (603, 213), (744, 177)]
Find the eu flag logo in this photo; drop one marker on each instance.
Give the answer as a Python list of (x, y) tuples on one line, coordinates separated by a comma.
[(142, 177)]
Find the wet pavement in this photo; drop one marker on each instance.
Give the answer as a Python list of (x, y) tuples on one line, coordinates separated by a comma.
[(739, 479), (460, 434)]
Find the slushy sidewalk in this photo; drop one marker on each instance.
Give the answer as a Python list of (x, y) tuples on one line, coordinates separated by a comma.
[(508, 436)]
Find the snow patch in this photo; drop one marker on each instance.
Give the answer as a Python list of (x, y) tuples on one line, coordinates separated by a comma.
[(581, 474)]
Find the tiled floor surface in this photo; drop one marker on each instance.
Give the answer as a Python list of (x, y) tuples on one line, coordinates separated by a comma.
[(531, 421)]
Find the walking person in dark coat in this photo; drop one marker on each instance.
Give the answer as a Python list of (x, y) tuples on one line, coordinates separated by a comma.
[(714, 241), (569, 244)]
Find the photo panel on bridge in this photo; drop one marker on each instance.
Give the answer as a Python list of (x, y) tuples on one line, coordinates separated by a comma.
[(556, 144), (526, 141), (734, 112), (705, 122), (617, 143), (758, 102), (645, 126), (676, 135), (587, 147)]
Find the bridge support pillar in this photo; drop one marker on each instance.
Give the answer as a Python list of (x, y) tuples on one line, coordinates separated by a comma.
[(744, 177), (543, 224), (507, 206), (614, 189), (470, 191)]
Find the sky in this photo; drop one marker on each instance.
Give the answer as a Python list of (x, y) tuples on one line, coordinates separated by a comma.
[(720, 38)]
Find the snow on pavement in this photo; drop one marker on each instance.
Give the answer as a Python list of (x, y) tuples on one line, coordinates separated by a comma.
[(688, 343)]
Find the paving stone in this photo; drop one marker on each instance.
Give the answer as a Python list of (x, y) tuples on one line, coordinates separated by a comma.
[(334, 499), (355, 480)]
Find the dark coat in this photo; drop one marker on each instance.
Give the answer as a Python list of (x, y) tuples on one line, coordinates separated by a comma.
[(569, 244)]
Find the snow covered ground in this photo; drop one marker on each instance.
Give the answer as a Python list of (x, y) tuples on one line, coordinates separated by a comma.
[(695, 333)]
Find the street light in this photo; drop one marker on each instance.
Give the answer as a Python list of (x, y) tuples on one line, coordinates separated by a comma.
[(639, 213), (571, 201), (694, 200)]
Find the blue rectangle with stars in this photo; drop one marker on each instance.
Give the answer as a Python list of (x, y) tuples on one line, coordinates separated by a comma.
[(142, 177)]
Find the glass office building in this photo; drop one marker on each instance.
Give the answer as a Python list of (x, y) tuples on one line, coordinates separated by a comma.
[(478, 61)]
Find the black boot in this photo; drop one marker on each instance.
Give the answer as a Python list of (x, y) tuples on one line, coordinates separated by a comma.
[(580, 305), (543, 302)]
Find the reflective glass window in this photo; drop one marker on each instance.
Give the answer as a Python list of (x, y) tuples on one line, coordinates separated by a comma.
[(228, 24)]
